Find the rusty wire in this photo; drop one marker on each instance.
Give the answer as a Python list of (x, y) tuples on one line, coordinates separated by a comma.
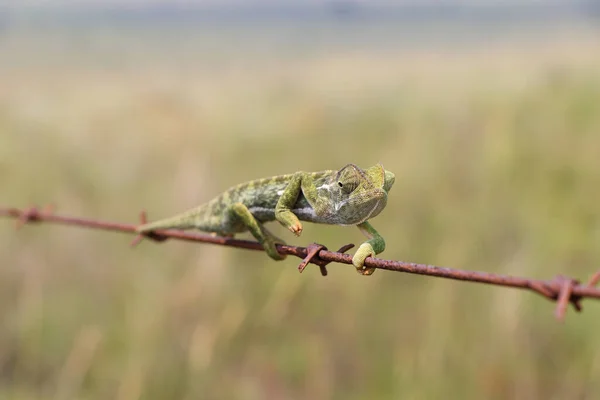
[(561, 289)]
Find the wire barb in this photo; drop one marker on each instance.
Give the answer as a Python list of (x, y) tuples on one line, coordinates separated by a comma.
[(594, 279), (561, 289), (313, 250), (312, 256), (155, 236), (564, 297), (32, 214)]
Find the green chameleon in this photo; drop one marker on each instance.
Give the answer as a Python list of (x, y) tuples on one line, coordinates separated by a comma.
[(349, 196)]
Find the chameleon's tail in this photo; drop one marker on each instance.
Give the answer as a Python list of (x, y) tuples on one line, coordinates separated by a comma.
[(185, 220)]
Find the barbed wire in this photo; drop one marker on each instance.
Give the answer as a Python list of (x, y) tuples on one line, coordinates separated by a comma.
[(561, 289)]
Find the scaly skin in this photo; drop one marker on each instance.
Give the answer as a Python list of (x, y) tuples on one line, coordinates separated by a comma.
[(349, 196)]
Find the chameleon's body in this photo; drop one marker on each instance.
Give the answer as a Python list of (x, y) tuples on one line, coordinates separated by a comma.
[(349, 196)]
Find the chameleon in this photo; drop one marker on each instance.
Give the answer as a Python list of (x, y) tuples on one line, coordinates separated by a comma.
[(348, 196)]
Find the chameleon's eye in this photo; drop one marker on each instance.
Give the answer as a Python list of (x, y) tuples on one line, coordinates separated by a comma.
[(348, 185), (348, 179)]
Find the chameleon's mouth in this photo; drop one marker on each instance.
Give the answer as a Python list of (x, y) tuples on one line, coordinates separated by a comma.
[(360, 209), (375, 208), (380, 198)]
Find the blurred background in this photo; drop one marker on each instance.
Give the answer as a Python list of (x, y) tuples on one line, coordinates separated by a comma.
[(487, 112)]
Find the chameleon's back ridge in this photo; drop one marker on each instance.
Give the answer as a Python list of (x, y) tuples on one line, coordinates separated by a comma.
[(348, 196)]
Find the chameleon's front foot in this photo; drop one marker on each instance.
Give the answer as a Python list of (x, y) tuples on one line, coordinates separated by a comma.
[(358, 260), (295, 228), (290, 221)]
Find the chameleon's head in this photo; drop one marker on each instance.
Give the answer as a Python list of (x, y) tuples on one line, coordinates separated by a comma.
[(360, 194)]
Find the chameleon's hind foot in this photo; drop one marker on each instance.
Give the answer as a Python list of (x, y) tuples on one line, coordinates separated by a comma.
[(271, 250), (242, 214), (358, 260)]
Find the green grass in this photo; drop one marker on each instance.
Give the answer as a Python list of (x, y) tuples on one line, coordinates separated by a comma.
[(496, 158)]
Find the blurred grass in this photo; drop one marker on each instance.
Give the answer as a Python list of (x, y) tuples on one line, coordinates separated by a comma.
[(496, 157)]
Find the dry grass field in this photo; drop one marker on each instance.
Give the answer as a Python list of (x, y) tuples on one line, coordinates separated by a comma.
[(496, 150)]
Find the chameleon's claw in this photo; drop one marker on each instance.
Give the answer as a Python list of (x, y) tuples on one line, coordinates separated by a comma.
[(366, 271), (358, 260), (296, 228)]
